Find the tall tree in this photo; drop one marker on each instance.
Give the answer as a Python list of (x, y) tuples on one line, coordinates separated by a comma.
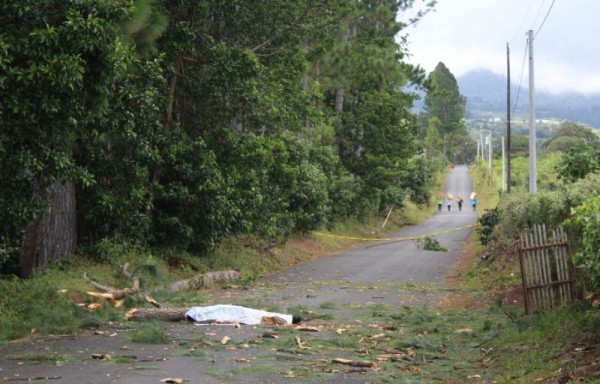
[(375, 128), (444, 101), (445, 104), (57, 60)]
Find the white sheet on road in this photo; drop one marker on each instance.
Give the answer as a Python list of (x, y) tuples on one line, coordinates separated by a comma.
[(232, 314)]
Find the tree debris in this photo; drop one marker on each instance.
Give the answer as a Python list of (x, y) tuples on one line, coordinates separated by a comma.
[(172, 380), (101, 356), (165, 314), (355, 363), (205, 280), (300, 344), (7, 379), (115, 294)]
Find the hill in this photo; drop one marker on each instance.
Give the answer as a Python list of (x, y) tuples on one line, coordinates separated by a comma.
[(486, 95)]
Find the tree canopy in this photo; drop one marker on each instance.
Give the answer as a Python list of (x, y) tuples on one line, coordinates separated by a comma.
[(176, 123), (444, 117)]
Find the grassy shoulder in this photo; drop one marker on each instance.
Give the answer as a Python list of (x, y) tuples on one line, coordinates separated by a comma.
[(479, 330), (555, 346), (43, 305)]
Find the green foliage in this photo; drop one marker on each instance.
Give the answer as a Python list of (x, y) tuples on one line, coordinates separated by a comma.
[(445, 132), (76, 107), (148, 334), (521, 211), (585, 222), (429, 244), (183, 123), (579, 161), (556, 330), (379, 145), (570, 135), (35, 304), (444, 101), (487, 223)]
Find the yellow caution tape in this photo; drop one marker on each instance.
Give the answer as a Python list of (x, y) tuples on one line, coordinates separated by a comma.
[(396, 238)]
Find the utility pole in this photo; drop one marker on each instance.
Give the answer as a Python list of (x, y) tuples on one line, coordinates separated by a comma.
[(503, 166), (508, 181), (482, 144), (532, 147), (491, 159)]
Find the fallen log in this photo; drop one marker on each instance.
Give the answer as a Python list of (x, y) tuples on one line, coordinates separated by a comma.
[(161, 312), (205, 280), (165, 314), (355, 363)]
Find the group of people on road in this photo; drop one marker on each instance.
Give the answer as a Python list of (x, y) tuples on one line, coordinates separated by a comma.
[(449, 198)]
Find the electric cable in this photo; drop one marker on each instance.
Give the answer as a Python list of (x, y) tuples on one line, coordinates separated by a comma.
[(538, 14), (521, 79), (545, 17), (522, 21)]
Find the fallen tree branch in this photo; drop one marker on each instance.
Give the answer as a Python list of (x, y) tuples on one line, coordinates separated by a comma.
[(200, 281), (161, 312), (205, 280), (115, 294), (165, 314), (355, 363), (7, 379)]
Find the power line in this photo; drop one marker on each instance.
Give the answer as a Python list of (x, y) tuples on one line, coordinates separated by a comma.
[(522, 21), (521, 79), (538, 14), (545, 17)]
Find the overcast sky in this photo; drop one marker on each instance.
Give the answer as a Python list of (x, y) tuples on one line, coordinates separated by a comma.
[(472, 34)]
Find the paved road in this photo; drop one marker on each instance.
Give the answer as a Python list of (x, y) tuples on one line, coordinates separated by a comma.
[(371, 273), (381, 265)]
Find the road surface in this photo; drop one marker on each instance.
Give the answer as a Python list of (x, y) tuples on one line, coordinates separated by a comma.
[(374, 272)]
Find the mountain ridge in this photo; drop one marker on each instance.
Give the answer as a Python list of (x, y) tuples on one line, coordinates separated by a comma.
[(486, 94)]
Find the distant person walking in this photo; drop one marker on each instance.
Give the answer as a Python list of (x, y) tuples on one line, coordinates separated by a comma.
[(448, 204), (440, 202), (460, 202), (473, 200)]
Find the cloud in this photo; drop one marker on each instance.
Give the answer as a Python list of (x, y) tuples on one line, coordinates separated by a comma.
[(472, 34)]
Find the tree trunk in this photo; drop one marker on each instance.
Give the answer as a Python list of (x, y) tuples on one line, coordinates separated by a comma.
[(54, 235), (339, 100), (165, 314), (339, 94)]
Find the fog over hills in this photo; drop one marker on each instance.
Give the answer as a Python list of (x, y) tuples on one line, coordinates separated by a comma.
[(486, 95)]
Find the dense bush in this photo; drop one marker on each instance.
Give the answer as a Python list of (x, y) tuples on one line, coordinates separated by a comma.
[(584, 223), (579, 161), (521, 211), (575, 206), (488, 222)]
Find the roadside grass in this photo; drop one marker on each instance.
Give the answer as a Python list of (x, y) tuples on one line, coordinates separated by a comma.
[(559, 345), (148, 333), (53, 302), (549, 345), (46, 357)]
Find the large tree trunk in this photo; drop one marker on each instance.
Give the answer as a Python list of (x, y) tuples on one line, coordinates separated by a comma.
[(339, 100), (340, 92), (54, 235)]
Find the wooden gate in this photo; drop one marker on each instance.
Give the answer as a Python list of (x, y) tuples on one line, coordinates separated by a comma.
[(546, 269)]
